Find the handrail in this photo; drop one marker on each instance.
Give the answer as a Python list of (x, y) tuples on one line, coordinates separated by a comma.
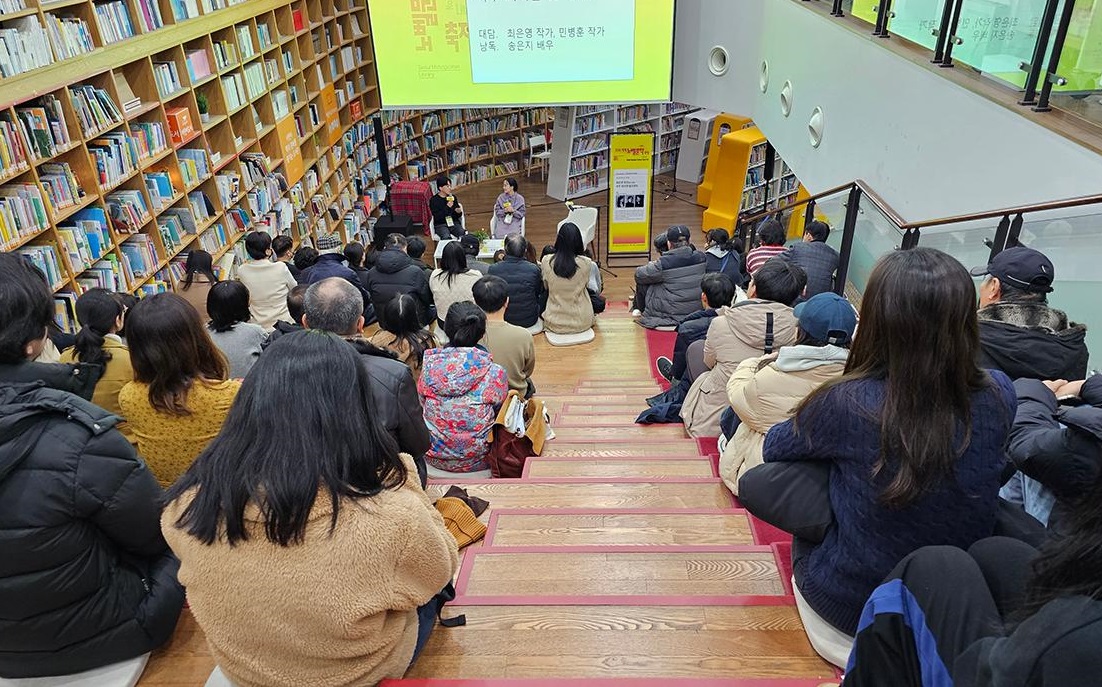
[(797, 203), (1002, 212)]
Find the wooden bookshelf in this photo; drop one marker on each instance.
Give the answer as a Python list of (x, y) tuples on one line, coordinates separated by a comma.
[(120, 173)]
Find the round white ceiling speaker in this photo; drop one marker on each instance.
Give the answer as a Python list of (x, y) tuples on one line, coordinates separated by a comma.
[(786, 98), (718, 60), (815, 127), (763, 77)]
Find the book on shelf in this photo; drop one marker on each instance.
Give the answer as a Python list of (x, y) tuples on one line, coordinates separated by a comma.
[(201, 206), (234, 89), (107, 273), (149, 15), (149, 137), (167, 78), (45, 258), (16, 149), (264, 35), (114, 21), (115, 156), (140, 254), (22, 212), (255, 84), (180, 128), (94, 108), (184, 9), (159, 185), (24, 45), (225, 54), (244, 41), (45, 125), (60, 184), (194, 165), (11, 6), (65, 312), (127, 210), (70, 36), (172, 230), (86, 240), (298, 20), (198, 65)]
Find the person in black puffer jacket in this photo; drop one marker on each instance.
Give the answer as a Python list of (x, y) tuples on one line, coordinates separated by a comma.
[(395, 272), (86, 579), (527, 297)]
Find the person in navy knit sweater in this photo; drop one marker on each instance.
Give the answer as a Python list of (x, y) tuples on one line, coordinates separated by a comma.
[(914, 432)]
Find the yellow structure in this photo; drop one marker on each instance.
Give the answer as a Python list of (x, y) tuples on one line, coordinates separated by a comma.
[(723, 124), (727, 165)]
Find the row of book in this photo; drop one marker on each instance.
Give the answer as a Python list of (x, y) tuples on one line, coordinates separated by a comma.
[(60, 184), (86, 239), (94, 108), (15, 151), (22, 212), (114, 21), (149, 137), (167, 78), (194, 165), (70, 36), (115, 156), (24, 46), (45, 126), (45, 258)]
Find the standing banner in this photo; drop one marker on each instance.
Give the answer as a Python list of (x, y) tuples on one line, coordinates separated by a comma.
[(630, 192)]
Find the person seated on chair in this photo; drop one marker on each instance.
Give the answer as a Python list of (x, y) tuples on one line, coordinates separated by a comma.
[(462, 389), (311, 553), (914, 432), (395, 272), (330, 306), (566, 275), (815, 257), (511, 346), (718, 292), (471, 246), (452, 281), (724, 254), (756, 326), (447, 211), (527, 297), (764, 390), (509, 208), (771, 240), (667, 290), (86, 580)]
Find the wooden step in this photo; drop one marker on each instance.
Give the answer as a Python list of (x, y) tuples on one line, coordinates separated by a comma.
[(621, 642), (580, 408), (598, 494), (623, 467), (625, 419), (621, 529), (624, 449), (613, 573), (596, 432)]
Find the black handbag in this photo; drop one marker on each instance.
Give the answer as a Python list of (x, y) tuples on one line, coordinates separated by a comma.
[(794, 497)]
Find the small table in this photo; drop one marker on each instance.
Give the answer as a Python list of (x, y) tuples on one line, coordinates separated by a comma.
[(485, 250)]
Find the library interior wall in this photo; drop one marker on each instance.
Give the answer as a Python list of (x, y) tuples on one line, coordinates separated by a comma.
[(928, 146)]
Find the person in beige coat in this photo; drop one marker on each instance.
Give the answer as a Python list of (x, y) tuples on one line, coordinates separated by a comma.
[(308, 567), (757, 326), (566, 275), (765, 391)]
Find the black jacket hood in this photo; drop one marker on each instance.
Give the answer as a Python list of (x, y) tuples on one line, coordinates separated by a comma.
[(1034, 353), (392, 261)]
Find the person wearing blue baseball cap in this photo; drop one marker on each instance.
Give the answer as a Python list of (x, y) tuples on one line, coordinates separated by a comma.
[(764, 391), (1020, 333)]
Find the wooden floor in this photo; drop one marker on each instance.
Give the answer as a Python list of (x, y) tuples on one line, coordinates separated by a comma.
[(619, 556)]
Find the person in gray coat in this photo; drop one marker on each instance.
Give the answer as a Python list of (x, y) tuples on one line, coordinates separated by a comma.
[(818, 260), (667, 290)]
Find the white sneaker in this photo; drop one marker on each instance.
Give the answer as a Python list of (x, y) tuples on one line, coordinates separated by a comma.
[(636, 313)]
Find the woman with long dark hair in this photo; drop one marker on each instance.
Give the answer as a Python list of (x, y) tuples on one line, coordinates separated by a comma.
[(566, 274), (913, 430), (180, 394), (306, 554), (452, 281), (239, 340), (198, 278), (98, 343), (401, 331)]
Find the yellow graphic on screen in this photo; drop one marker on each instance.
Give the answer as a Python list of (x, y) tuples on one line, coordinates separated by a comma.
[(435, 53)]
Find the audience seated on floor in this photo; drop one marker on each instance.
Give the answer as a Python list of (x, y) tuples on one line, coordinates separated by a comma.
[(914, 434), (354, 256), (415, 248), (667, 290), (471, 247), (295, 301), (818, 260), (566, 275), (98, 343), (452, 281), (268, 282), (198, 278), (462, 389), (1000, 613), (1056, 445), (510, 346), (527, 297), (317, 566), (724, 254), (447, 211), (400, 332), (331, 305), (395, 272), (283, 251), (771, 240), (239, 340), (757, 326), (331, 264), (86, 579), (718, 291), (181, 390), (763, 391), (305, 257)]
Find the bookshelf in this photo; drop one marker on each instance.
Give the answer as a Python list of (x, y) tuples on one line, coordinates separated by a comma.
[(579, 154), (469, 145), (695, 139), (110, 171)]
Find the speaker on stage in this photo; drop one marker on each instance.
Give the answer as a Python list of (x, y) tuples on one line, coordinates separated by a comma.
[(392, 224)]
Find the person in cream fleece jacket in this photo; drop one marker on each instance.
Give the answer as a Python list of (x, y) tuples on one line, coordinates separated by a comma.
[(329, 580)]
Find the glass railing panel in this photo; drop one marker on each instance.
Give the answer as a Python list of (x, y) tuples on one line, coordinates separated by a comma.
[(914, 20), (1081, 64), (997, 37), (874, 235), (964, 242)]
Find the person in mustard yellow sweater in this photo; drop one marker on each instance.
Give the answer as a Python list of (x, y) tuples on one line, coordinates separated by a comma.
[(329, 577), (180, 394)]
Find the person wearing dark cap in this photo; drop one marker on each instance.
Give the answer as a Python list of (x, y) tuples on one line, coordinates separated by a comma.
[(667, 290), (763, 391), (1020, 333), (471, 246), (447, 211)]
